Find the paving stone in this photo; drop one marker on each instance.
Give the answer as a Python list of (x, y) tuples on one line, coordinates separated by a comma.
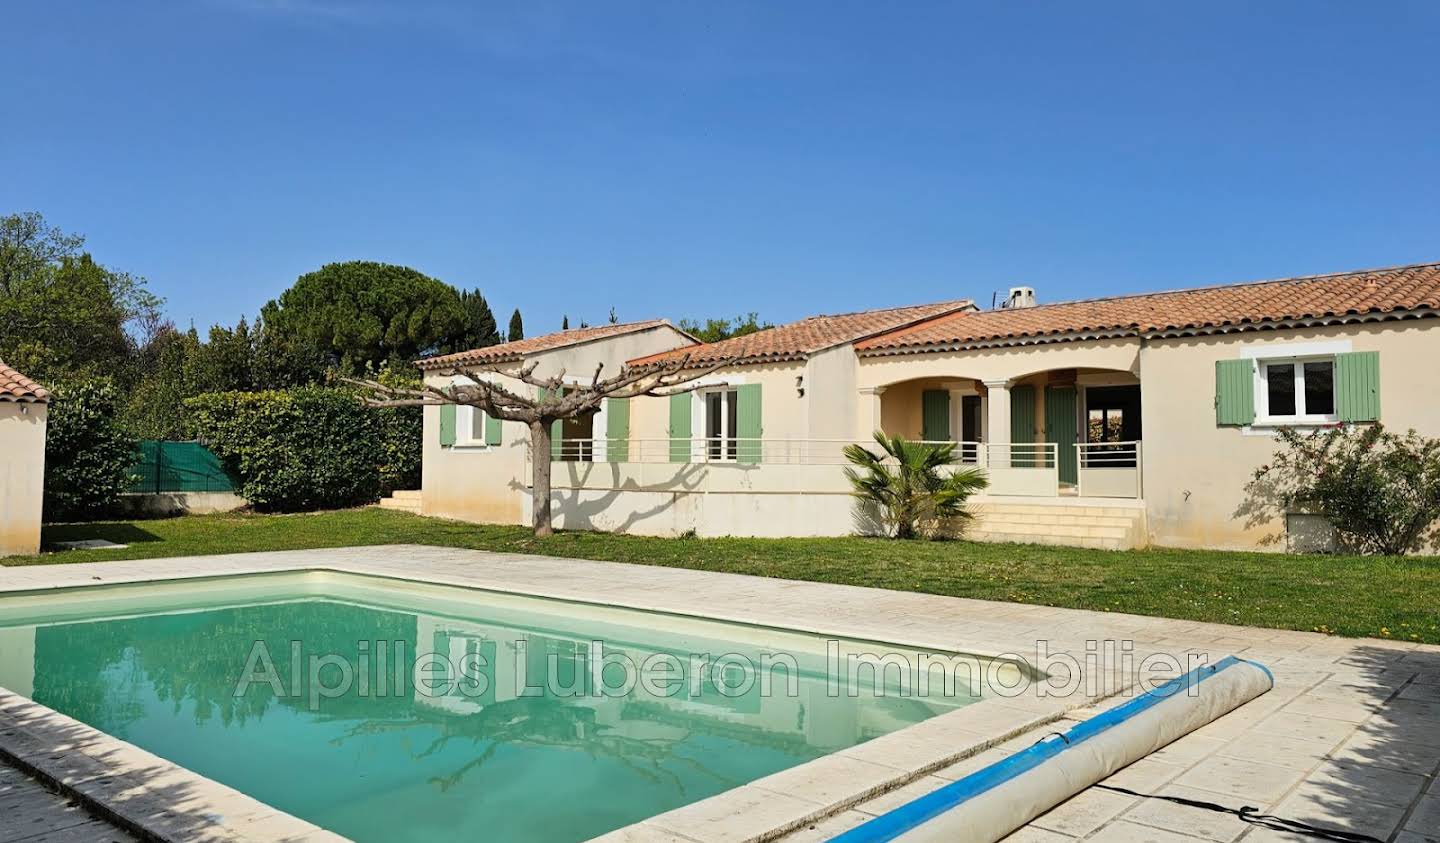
[(1145, 776), (826, 828), (1380, 784), (1326, 807), (1425, 818), (1031, 834), (1084, 813), (1391, 754), (1306, 727), (830, 780), (33, 812), (1348, 710), (1206, 823), (743, 814), (1281, 750), (1251, 780), (893, 799), (1128, 832)]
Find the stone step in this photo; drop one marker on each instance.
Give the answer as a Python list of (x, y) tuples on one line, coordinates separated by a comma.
[(1021, 508), (1093, 542), (1057, 519), (1056, 530), (406, 494), (401, 504)]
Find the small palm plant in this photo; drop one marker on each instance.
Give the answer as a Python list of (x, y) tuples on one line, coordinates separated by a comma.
[(905, 484)]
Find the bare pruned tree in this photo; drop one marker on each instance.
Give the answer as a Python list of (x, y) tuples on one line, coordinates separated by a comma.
[(556, 400)]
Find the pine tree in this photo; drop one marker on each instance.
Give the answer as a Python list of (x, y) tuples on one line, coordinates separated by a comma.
[(517, 327)]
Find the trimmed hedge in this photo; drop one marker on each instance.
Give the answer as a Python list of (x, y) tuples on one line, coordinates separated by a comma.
[(87, 454), (299, 449)]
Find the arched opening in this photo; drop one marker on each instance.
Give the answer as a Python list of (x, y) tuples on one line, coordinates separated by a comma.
[(1081, 425)]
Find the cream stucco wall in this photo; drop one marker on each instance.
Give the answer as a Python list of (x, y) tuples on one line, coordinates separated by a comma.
[(22, 476), (489, 484), (1001, 363), (1195, 471), (784, 413)]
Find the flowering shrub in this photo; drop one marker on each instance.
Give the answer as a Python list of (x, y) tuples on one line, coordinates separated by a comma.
[(1380, 490)]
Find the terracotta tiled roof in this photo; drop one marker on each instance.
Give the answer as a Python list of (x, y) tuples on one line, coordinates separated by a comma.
[(16, 387), (1206, 310), (797, 340), (510, 351)]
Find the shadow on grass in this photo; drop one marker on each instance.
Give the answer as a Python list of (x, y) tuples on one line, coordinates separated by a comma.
[(119, 532)]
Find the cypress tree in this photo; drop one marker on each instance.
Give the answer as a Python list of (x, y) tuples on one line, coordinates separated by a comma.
[(480, 327), (517, 327)]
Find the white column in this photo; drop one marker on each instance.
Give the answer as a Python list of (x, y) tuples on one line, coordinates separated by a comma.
[(997, 421), (868, 416), (957, 413)]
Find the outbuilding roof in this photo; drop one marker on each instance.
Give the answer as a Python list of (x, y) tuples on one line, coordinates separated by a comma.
[(15, 387), (507, 352)]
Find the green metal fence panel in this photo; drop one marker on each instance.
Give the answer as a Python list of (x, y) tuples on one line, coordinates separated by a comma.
[(178, 467)]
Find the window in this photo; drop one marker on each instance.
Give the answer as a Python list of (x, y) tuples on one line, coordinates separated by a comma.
[(469, 426), (722, 411), (1107, 424), (1295, 390)]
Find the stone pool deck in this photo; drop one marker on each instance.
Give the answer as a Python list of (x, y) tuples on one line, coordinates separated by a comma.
[(1349, 739)]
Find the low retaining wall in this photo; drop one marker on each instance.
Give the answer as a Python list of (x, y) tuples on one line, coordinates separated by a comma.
[(164, 504)]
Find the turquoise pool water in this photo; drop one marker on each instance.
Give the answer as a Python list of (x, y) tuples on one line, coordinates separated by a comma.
[(517, 725)]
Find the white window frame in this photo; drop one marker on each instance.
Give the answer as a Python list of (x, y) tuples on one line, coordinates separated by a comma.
[(465, 418), (704, 414), (1263, 417)]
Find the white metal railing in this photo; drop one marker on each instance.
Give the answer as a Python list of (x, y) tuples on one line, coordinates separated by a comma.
[(785, 451), (1109, 469), (1030, 469)]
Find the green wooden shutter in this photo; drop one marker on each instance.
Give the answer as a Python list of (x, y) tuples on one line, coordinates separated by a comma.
[(680, 427), (492, 429), (1357, 386), (1062, 428), (447, 424), (1234, 392), (935, 415), (747, 424), (1022, 424), (617, 429)]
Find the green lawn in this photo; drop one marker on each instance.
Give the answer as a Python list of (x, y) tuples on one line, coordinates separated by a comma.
[(1387, 597)]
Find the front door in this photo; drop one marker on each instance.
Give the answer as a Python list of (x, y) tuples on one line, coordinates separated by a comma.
[(1062, 428), (970, 427), (1112, 414)]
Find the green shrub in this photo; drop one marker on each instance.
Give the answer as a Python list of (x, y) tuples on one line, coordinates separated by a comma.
[(904, 487), (400, 441), (87, 454), (1380, 490), (294, 450)]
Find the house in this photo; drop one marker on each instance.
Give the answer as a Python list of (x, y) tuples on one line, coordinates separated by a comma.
[(1114, 422), (23, 408)]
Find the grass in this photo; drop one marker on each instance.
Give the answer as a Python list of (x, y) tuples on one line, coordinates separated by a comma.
[(1357, 596)]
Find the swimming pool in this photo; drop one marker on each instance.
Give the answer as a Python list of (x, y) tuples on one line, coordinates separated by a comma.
[(390, 710)]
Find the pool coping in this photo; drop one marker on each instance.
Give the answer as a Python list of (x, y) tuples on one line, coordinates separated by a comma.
[(157, 798)]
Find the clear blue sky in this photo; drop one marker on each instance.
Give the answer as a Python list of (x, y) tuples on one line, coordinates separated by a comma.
[(703, 159)]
